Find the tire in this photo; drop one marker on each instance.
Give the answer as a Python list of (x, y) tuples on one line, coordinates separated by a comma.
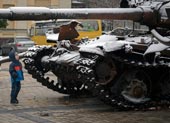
[(0, 51), (3, 53)]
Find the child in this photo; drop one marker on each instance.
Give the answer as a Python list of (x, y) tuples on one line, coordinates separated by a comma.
[(16, 73)]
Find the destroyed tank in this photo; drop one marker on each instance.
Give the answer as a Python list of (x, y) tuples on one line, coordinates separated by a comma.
[(128, 71)]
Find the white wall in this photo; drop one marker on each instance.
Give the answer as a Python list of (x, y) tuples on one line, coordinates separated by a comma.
[(65, 3)]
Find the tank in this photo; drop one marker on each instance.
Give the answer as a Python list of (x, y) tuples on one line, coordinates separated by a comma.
[(128, 69)]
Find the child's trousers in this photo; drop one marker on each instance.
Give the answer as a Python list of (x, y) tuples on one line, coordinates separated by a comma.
[(16, 86)]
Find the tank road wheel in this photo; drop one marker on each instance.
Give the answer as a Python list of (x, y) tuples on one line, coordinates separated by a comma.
[(132, 89), (105, 71), (136, 91), (33, 59), (40, 57)]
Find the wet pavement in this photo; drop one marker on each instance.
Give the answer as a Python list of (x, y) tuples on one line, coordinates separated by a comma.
[(41, 105)]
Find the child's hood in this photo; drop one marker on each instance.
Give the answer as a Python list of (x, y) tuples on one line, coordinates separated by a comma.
[(12, 56)]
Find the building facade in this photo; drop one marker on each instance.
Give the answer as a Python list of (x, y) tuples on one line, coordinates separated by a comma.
[(20, 27)]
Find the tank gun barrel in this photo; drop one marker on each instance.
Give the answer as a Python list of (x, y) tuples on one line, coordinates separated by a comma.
[(99, 13), (6, 59), (43, 13), (152, 15)]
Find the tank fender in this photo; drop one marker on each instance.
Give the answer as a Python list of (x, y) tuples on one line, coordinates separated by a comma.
[(156, 48)]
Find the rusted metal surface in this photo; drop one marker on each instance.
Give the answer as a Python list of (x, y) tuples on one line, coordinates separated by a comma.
[(68, 32)]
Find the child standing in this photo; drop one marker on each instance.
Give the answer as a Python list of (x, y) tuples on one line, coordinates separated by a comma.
[(16, 73)]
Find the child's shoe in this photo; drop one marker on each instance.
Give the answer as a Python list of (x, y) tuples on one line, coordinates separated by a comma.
[(14, 102)]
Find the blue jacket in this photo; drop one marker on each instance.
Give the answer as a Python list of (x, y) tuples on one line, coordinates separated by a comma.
[(15, 68)]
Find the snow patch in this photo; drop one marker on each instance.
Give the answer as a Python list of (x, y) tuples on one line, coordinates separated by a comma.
[(94, 50), (52, 36)]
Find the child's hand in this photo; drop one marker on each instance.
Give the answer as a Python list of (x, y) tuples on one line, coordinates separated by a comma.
[(14, 74)]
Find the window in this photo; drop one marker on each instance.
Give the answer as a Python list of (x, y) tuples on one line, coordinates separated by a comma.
[(88, 26), (42, 28), (22, 39), (11, 40)]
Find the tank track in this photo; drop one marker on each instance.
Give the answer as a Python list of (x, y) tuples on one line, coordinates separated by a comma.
[(85, 67), (38, 72), (85, 71), (105, 94)]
